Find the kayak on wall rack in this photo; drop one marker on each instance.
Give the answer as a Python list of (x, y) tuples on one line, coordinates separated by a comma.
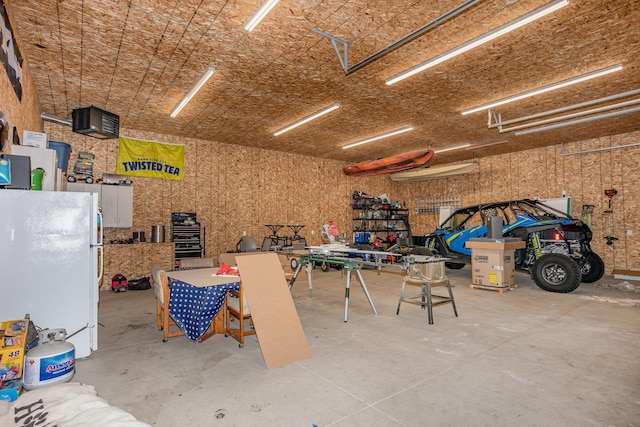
[(389, 164), (434, 172)]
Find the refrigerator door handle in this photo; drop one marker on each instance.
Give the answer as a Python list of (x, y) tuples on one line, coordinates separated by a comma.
[(99, 229), (100, 260)]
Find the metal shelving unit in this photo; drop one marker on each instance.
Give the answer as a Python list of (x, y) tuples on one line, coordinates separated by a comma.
[(382, 223)]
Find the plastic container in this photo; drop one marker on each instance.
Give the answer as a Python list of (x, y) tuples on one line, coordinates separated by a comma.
[(36, 178), (52, 361), (64, 153)]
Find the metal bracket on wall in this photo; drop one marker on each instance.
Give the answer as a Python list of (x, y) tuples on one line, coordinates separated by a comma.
[(595, 150)]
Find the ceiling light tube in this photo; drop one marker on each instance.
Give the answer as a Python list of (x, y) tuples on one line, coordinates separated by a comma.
[(451, 148), (469, 145), (260, 14), (579, 121), (201, 81), (478, 41), (375, 138), (304, 120), (543, 89)]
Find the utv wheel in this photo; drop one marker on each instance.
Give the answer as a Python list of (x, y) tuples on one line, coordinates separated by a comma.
[(420, 250), (556, 273), (592, 268), (454, 265)]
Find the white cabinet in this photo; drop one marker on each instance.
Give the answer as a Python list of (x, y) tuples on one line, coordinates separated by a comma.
[(116, 202), (81, 187), (117, 206)]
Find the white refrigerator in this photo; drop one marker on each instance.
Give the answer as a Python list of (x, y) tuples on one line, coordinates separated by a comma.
[(51, 262)]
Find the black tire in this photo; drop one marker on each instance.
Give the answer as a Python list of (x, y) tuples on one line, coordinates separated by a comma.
[(592, 268), (556, 273), (89, 180), (420, 250), (294, 263), (71, 178), (454, 265)]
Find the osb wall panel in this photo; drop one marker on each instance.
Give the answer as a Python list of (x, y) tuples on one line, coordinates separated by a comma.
[(234, 189), (135, 261), (231, 188), (546, 173), (626, 213), (23, 114)]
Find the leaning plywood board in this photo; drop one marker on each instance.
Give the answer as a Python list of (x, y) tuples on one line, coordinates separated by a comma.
[(274, 315), (230, 257)]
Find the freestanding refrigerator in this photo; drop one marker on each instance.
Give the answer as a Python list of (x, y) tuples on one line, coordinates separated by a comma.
[(51, 262)]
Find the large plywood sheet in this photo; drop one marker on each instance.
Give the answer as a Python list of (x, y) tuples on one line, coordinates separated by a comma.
[(275, 318)]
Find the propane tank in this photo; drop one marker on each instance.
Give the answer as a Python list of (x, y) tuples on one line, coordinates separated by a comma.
[(52, 361)]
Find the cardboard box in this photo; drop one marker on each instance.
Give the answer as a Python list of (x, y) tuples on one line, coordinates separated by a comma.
[(13, 335), (496, 244), (34, 139), (492, 267), (10, 390)]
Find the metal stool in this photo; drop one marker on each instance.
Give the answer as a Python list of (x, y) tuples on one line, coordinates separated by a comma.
[(427, 275)]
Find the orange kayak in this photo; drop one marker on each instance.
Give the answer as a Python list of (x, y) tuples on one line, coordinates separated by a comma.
[(389, 164)]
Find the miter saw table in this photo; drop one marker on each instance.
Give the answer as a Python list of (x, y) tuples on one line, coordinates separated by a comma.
[(342, 256)]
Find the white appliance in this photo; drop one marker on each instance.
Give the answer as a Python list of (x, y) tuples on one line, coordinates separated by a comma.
[(46, 159), (51, 262)]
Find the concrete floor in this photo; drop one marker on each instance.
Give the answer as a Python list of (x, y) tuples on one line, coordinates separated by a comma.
[(525, 357)]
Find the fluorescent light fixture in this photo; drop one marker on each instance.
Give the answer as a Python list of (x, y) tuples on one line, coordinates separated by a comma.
[(543, 89), (304, 120), (201, 81), (451, 148), (478, 41), (260, 14), (375, 138), (469, 145)]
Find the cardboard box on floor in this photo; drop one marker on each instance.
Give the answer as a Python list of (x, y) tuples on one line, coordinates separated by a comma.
[(493, 261), (491, 267), (275, 319), (13, 336)]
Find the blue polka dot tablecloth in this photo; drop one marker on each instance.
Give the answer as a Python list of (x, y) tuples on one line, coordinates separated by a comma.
[(194, 308)]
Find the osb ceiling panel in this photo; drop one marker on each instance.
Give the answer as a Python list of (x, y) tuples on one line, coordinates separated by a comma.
[(138, 58)]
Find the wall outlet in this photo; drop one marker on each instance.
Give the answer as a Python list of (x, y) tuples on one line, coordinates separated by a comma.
[(244, 233), (629, 232), (313, 232)]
